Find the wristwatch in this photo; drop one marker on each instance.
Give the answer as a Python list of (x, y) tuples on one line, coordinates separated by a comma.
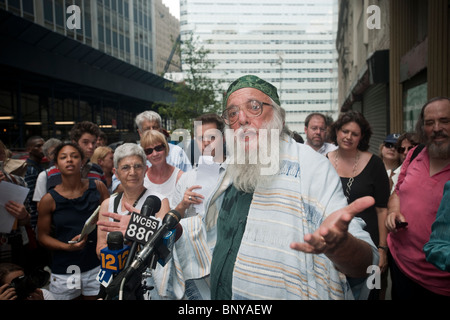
[(383, 247)]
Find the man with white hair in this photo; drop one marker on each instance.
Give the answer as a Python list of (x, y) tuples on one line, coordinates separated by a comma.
[(150, 120), (277, 225), (285, 234)]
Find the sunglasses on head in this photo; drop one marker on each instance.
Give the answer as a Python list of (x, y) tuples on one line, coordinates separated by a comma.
[(159, 148), (402, 149)]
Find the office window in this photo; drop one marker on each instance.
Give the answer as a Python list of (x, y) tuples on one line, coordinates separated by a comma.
[(27, 6), (125, 9), (87, 25), (108, 36), (101, 37), (115, 40), (59, 13), (121, 42), (127, 44), (14, 4), (48, 10), (120, 6)]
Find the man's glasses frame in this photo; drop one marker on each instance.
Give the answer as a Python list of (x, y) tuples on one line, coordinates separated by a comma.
[(253, 108)]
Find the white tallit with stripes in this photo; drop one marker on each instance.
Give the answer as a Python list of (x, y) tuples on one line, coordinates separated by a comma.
[(298, 199)]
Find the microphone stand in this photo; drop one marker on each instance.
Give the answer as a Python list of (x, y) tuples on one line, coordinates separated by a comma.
[(131, 281), (149, 253)]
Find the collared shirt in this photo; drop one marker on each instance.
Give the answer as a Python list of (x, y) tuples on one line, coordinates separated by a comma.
[(325, 148), (420, 196)]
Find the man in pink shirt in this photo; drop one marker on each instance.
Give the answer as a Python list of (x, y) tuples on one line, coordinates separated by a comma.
[(415, 201)]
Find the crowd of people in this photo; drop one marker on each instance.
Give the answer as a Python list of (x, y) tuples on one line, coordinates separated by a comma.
[(310, 229)]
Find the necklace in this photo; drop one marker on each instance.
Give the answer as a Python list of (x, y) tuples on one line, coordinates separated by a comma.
[(352, 178), (138, 198)]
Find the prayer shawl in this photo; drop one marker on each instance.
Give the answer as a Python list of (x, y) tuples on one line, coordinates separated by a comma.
[(298, 199)]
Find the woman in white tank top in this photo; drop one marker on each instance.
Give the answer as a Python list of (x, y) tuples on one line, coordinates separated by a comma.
[(161, 177), (130, 167)]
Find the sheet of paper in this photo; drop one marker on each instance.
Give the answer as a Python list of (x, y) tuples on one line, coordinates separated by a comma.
[(207, 176), (6, 220), (10, 191)]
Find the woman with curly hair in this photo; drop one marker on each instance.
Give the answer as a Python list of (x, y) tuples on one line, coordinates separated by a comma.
[(362, 174)]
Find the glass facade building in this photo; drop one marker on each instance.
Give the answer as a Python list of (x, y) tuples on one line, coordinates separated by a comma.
[(106, 71), (290, 43), (120, 28)]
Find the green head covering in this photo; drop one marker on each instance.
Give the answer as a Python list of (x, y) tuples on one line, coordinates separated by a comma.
[(251, 81)]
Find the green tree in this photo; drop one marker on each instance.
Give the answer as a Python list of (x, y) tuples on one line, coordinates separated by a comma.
[(198, 94)]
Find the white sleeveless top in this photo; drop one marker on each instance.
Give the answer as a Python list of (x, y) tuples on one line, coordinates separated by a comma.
[(167, 188)]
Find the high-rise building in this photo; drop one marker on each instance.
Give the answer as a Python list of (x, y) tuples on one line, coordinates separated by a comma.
[(136, 31), (167, 31), (290, 43), (63, 61)]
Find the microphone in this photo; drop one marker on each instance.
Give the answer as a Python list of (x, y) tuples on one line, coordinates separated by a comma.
[(112, 258), (165, 250), (169, 222), (150, 207), (127, 285)]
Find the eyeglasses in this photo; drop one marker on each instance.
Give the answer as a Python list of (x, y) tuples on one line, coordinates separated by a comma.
[(402, 149), (313, 129), (389, 145), (159, 148), (136, 167), (254, 108), (206, 138)]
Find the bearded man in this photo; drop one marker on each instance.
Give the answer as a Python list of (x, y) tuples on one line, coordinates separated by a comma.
[(415, 201), (277, 224), (283, 229)]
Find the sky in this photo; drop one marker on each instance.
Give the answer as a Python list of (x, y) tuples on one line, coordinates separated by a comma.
[(174, 7)]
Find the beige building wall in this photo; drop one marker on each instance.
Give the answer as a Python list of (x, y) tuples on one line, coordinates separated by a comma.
[(167, 29), (356, 42)]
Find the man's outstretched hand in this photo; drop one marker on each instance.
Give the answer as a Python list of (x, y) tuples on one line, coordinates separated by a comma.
[(333, 239)]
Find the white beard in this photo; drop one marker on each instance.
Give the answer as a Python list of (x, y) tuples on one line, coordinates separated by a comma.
[(247, 172)]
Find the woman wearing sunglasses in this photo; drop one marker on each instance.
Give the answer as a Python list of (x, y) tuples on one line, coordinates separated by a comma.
[(161, 177), (391, 158), (406, 142), (362, 174)]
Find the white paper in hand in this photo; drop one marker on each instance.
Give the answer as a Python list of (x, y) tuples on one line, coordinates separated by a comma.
[(10, 191), (207, 177)]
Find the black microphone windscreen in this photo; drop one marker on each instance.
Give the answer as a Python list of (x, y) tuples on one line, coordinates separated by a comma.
[(179, 232), (151, 206), (115, 240)]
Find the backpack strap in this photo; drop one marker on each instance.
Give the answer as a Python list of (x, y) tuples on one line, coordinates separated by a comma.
[(117, 200), (417, 151), (119, 196)]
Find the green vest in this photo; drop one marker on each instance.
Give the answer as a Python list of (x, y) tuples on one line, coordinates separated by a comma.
[(230, 229)]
